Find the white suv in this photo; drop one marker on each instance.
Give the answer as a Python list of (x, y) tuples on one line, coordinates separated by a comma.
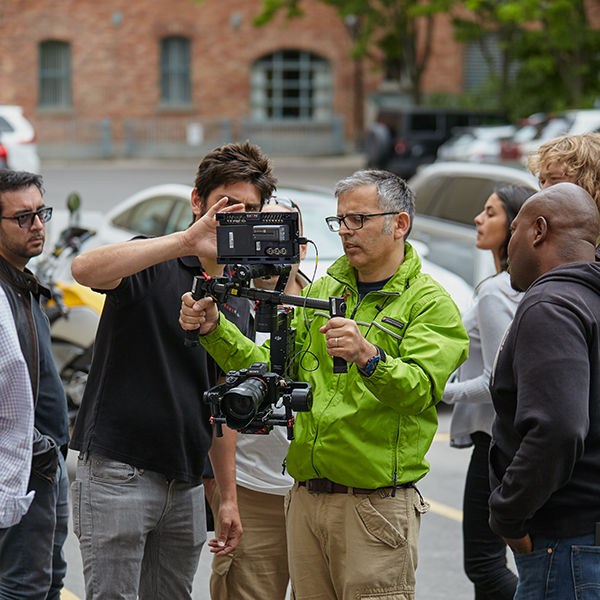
[(18, 150)]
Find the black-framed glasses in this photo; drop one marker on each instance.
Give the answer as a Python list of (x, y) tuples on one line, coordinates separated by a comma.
[(352, 221), (26, 219)]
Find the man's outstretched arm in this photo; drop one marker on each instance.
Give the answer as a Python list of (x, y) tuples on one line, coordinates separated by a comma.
[(105, 266)]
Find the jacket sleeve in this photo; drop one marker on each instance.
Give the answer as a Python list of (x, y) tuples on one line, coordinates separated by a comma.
[(231, 349), (551, 417), (494, 312), (435, 344)]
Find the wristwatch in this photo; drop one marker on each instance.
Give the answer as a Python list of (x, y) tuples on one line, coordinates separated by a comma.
[(372, 363)]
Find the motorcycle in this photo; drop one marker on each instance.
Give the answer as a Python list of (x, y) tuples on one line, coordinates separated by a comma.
[(74, 310)]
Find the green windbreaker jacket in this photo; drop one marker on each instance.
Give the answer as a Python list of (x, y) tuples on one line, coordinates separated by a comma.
[(366, 432)]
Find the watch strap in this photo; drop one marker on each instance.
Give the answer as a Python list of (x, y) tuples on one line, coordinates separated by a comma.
[(373, 362)]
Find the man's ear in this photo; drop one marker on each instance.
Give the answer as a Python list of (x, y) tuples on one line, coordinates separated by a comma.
[(402, 225), (540, 231), (197, 204), (303, 251)]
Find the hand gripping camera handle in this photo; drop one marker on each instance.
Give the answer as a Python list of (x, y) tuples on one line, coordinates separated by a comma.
[(191, 337), (337, 308)]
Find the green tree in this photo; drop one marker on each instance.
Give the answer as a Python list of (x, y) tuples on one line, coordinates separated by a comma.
[(550, 54), (401, 30)]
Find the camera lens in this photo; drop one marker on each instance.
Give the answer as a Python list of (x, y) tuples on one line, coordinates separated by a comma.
[(241, 403)]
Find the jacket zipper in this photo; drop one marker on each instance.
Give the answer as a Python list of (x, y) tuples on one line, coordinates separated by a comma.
[(395, 477)]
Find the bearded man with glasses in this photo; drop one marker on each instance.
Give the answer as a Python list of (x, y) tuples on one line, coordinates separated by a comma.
[(353, 514), (32, 564)]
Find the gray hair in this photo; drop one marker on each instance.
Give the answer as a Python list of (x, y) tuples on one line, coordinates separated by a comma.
[(393, 194)]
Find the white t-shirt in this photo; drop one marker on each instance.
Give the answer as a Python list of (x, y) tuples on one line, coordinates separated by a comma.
[(259, 458)]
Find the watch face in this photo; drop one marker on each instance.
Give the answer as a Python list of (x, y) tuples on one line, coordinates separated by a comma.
[(372, 365)]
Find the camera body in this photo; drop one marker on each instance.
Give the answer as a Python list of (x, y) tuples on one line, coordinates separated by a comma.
[(257, 237), (253, 400)]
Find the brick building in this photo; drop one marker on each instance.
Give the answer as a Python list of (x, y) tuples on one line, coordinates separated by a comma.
[(159, 76)]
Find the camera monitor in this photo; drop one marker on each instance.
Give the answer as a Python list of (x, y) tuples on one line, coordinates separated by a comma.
[(256, 237)]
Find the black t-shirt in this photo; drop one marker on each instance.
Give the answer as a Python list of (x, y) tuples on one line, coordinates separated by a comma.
[(143, 402), (364, 287)]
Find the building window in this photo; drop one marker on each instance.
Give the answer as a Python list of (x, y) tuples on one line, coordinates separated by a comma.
[(291, 84), (482, 59), (175, 81), (55, 74)]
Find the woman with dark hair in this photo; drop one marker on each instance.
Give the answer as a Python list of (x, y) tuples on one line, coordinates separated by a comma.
[(494, 306)]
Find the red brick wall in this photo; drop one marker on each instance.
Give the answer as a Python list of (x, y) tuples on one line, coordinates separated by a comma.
[(444, 72), (115, 66)]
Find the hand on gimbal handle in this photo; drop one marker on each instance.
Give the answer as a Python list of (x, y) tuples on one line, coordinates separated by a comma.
[(191, 336), (337, 308)]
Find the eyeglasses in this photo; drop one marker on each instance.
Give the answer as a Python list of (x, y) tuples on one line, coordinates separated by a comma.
[(352, 221), (26, 219)]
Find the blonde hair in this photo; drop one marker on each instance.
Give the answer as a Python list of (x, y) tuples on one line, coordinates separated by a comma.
[(578, 155)]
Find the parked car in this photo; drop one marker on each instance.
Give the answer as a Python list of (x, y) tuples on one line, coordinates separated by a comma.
[(18, 149), (448, 196), (402, 139), (163, 209), (481, 144)]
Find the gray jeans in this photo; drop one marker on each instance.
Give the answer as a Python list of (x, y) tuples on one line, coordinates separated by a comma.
[(138, 533)]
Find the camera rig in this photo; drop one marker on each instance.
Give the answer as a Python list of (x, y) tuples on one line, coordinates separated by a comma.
[(256, 399), (253, 400)]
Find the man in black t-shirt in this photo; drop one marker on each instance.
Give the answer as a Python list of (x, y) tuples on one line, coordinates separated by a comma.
[(143, 431)]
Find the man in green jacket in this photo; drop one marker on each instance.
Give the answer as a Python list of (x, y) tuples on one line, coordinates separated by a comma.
[(353, 515)]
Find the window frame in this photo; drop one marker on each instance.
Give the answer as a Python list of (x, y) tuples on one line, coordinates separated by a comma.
[(276, 95), (54, 82), (175, 74)]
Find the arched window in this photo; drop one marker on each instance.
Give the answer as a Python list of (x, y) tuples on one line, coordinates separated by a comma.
[(175, 80), (291, 84), (54, 74)]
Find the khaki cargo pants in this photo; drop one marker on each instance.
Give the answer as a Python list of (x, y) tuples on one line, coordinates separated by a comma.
[(353, 546)]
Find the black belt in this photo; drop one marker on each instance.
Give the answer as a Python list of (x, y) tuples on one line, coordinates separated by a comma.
[(325, 486)]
